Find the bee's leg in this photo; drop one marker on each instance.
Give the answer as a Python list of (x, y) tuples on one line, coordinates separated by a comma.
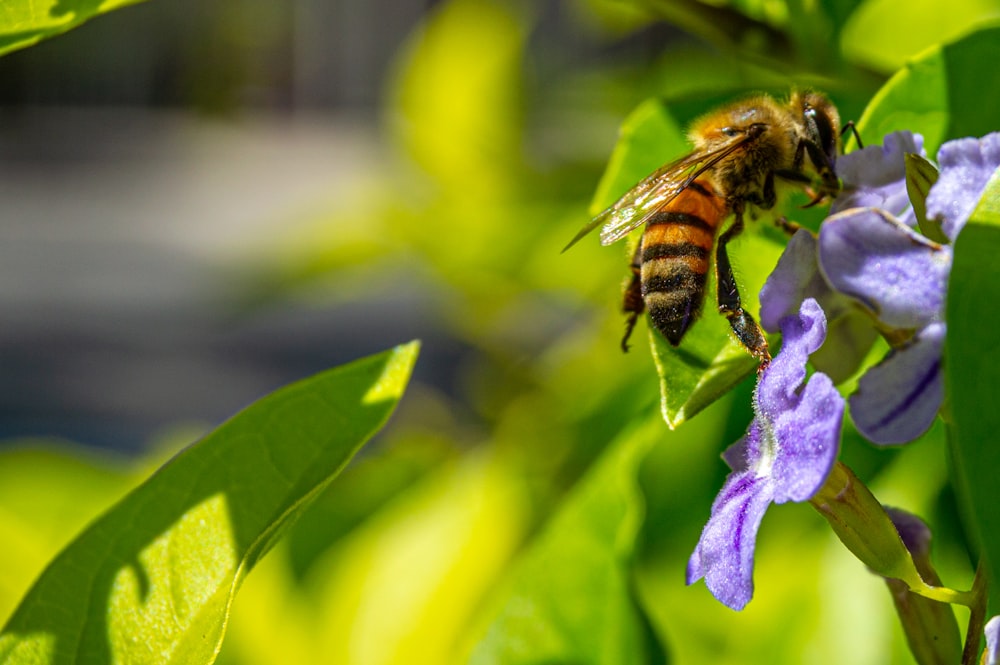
[(800, 153), (770, 196), (743, 324), (794, 176), (787, 225), (633, 304)]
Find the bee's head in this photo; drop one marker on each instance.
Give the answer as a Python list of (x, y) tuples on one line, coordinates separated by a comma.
[(821, 125)]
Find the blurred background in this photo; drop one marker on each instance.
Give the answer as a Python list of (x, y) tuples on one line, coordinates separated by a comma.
[(166, 171), (147, 159), (201, 202)]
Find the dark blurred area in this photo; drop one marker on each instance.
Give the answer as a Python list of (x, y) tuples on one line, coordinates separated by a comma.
[(140, 155), (145, 155), (224, 57)]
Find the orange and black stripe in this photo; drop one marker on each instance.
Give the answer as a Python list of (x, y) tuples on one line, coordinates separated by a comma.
[(674, 256)]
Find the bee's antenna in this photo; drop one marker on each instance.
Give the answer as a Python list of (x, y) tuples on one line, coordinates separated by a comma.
[(854, 131)]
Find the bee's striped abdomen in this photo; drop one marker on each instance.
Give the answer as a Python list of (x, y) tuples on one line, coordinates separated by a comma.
[(676, 249)]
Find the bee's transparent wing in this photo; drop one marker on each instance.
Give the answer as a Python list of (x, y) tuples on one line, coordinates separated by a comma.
[(653, 192), (640, 203)]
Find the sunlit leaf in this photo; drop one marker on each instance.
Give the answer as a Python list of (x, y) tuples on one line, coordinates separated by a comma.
[(884, 34), (971, 377), (151, 581), (26, 22), (571, 598), (940, 94)]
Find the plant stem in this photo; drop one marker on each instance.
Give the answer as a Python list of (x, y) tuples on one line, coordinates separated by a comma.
[(977, 616)]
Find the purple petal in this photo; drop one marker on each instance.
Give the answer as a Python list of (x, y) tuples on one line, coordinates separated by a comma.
[(785, 456), (896, 273), (913, 531), (966, 165), (898, 399), (778, 387), (795, 278), (725, 552), (808, 441), (992, 631), (875, 177), (742, 454)]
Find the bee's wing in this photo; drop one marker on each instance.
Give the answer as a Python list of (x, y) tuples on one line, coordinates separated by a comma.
[(653, 192), (640, 203)]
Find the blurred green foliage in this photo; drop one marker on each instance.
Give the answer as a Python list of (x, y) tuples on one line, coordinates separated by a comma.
[(545, 512), (26, 22)]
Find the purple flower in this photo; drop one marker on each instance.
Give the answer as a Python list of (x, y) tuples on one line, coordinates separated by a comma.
[(875, 177), (966, 166), (901, 277), (868, 253), (993, 641), (786, 455)]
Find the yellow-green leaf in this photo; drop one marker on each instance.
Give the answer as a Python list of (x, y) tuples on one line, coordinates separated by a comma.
[(152, 580), (26, 22)]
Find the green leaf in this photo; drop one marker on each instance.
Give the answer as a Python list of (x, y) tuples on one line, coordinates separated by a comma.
[(705, 366), (152, 580), (972, 377), (940, 94), (884, 34), (921, 174), (571, 598), (27, 22)]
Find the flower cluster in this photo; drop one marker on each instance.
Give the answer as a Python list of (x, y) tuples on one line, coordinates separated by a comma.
[(869, 255), (868, 263)]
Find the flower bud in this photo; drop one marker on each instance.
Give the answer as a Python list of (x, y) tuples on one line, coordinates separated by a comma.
[(862, 524)]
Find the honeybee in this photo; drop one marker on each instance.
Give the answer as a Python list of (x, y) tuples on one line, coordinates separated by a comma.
[(741, 152)]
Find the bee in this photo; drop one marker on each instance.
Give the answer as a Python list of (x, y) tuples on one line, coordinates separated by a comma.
[(741, 153)]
